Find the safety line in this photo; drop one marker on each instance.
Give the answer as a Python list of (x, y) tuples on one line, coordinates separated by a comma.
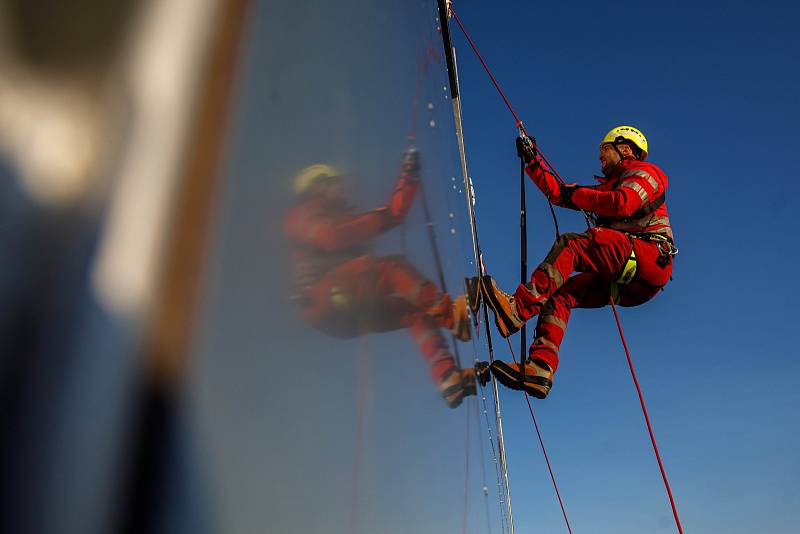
[(541, 442), (647, 420), (484, 487), (449, 51), (358, 453), (468, 409), (495, 461), (444, 10), (486, 68), (519, 124), (521, 127)]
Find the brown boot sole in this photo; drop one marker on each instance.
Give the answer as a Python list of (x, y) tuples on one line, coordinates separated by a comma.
[(453, 395), (473, 292), (536, 386)]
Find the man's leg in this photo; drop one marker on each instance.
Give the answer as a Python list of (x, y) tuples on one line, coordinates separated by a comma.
[(397, 277), (582, 291), (599, 251), (453, 383)]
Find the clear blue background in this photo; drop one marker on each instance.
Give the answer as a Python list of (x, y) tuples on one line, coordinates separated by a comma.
[(716, 90)]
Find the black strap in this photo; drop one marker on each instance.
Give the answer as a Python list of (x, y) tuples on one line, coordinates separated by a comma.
[(649, 208)]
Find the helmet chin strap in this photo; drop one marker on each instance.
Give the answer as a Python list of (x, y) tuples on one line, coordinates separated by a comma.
[(621, 157)]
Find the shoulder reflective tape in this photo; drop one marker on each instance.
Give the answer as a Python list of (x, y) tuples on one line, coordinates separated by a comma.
[(638, 188), (638, 172)]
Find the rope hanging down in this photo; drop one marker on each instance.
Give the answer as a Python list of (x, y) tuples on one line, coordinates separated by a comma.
[(647, 419), (520, 126), (541, 442)]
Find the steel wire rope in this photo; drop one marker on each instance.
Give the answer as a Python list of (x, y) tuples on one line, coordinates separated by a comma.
[(484, 487), (430, 56), (444, 11), (452, 72)]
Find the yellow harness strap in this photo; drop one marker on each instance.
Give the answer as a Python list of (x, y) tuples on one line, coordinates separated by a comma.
[(625, 278), (629, 271)]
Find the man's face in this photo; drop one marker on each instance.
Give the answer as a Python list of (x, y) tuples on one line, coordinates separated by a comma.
[(608, 158), (334, 187)]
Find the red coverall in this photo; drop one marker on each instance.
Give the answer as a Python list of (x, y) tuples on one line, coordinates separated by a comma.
[(621, 202), (345, 292)]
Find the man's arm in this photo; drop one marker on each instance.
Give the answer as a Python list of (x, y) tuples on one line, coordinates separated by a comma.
[(544, 180), (314, 227), (327, 234), (637, 188)]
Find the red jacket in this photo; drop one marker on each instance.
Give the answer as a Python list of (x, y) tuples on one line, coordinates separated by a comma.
[(631, 199), (326, 232)]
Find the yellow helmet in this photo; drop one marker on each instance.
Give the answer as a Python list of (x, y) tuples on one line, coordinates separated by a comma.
[(627, 133), (311, 175)]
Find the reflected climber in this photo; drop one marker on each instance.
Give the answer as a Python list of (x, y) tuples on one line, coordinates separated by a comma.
[(345, 292), (626, 257)]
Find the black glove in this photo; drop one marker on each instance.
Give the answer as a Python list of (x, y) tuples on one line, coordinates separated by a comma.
[(526, 149), (565, 198), (411, 164)]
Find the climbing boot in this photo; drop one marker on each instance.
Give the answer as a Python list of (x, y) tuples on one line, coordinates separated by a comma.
[(537, 381), (461, 329), (460, 383), (473, 294), (506, 316)]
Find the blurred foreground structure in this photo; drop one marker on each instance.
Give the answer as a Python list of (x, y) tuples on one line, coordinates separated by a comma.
[(157, 374)]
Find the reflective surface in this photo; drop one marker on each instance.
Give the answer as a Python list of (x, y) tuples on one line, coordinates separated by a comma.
[(325, 330), (236, 237)]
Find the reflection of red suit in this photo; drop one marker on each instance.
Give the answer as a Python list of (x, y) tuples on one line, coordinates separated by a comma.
[(345, 292), (632, 216)]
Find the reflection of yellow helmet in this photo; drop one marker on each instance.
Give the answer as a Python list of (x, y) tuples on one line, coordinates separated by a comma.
[(627, 133), (312, 174)]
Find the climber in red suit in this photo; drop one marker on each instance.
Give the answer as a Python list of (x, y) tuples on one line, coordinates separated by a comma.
[(626, 257), (345, 292)]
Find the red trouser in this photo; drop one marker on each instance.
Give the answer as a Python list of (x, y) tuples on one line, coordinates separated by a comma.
[(599, 255), (369, 295)]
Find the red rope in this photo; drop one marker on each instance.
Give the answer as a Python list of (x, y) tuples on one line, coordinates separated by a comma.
[(541, 442), (358, 454), (486, 68), (502, 94), (468, 409), (647, 419)]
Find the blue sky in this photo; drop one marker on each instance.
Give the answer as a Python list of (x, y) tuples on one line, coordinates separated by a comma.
[(717, 91)]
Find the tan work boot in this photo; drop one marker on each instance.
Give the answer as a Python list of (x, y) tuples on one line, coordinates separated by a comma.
[(537, 381), (461, 329), (460, 383), (473, 287), (506, 316)]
